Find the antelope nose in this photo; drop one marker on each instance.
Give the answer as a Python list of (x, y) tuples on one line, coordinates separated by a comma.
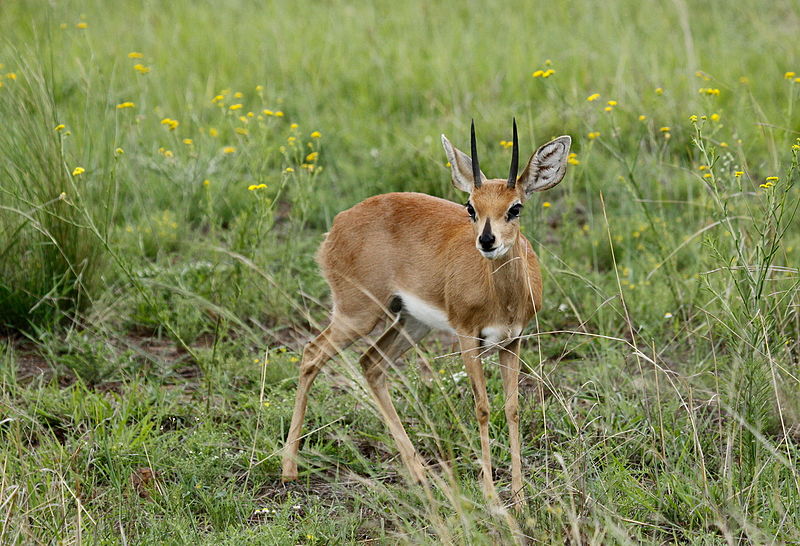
[(486, 241)]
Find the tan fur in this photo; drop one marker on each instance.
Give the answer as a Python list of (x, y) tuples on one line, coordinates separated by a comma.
[(412, 243)]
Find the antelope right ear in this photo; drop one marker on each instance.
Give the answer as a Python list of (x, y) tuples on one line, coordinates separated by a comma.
[(461, 168), (546, 166)]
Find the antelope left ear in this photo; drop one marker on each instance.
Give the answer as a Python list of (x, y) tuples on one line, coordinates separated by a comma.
[(546, 167)]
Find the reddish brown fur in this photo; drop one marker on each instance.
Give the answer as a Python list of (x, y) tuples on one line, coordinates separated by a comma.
[(425, 245)]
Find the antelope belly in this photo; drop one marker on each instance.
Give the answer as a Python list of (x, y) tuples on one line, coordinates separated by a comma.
[(425, 312)]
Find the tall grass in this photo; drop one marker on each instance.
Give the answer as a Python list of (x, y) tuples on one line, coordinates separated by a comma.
[(660, 388)]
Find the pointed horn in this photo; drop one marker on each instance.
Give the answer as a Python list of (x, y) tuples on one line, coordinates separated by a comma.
[(476, 170), (512, 174)]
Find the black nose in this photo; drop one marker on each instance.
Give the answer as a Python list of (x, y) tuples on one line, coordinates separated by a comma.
[(486, 241)]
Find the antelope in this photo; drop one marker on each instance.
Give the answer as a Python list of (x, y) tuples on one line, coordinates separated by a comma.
[(434, 264)]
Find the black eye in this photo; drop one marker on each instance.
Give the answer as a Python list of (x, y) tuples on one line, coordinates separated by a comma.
[(471, 211), (514, 211)]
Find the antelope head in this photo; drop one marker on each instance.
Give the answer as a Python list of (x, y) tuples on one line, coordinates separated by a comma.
[(494, 205)]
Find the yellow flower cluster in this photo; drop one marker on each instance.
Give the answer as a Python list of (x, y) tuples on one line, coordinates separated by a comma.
[(593, 97), (593, 135), (170, 123), (141, 69), (77, 171), (126, 104), (709, 91), (572, 159), (135, 55), (543, 73), (506, 143), (254, 187)]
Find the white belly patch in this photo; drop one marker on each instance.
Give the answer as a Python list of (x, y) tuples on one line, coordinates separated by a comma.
[(497, 334), (424, 311)]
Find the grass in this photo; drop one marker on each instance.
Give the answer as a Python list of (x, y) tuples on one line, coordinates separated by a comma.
[(154, 307)]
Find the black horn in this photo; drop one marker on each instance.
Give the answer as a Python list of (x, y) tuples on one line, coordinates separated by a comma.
[(476, 170), (512, 173)]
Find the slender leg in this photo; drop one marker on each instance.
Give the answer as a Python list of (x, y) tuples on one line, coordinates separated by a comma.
[(393, 343), (509, 369), (470, 352), (316, 353)]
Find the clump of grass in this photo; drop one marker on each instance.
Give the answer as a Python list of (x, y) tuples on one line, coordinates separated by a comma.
[(49, 266)]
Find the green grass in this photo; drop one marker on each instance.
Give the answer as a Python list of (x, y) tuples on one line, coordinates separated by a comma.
[(155, 308)]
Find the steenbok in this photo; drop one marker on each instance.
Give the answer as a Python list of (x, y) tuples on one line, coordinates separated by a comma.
[(430, 263)]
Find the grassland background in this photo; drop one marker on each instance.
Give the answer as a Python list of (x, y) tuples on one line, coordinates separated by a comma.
[(155, 311)]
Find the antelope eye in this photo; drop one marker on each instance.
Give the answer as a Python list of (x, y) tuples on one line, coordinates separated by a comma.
[(471, 211), (514, 211)]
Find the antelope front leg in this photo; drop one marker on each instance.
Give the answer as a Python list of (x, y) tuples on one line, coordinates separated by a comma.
[(509, 369), (470, 352)]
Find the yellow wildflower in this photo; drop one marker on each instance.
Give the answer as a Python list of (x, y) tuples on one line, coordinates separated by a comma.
[(714, 117), (206, 182), (506, 143), (11, 76), (316, 134), (242, 131), (665, 129), (135, 55), (708, 175), (119, 151), (789, 75), (229, 150), (693, 118), (213, 132), (140, 68), (217, 98), (538, 73), (293, 126), (572, 159), (59, 127), (642, 117), (288, 170), (279, 114), (268, 112), (593, 97), (766, 185), (312, 156), (253, 187), (710, 91), (612, 103), (737, 174), (188, 141), (259, 88), (744, 80), (593, 135), (77, 171), (234, 106), (723, 144), (170, 123), (250, 114), (168, 154), (772, 179), (238, 95), (291, 139), (659, 90), (702, 168), (546, 204), (82, 25), (126, 104)]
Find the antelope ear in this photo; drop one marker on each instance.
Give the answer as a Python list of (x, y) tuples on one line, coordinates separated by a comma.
[(460, 167), (546, 167)]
